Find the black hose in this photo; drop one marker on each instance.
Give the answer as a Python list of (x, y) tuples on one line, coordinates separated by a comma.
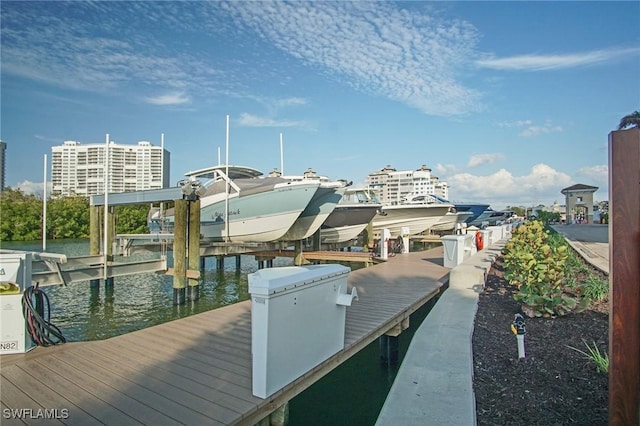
[(37, 314)]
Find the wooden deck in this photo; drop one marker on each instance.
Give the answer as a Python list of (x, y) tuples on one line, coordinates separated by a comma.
[(321, 255), (197, 370)]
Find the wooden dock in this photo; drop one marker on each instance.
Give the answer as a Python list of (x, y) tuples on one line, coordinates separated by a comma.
[(197, 370)]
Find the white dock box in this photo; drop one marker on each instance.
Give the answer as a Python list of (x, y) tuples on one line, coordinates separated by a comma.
[(456, 248), (15, 268), (297, 321)]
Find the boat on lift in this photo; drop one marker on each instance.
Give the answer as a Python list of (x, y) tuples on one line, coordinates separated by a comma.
[(239, 204), (350, 217), (416, 213), (324, 201), (476, 209)]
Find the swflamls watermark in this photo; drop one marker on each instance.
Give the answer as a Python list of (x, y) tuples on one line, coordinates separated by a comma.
[(35, 413)]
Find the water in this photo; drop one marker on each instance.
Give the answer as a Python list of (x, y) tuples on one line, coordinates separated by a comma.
[(352, 394), (137, 301)]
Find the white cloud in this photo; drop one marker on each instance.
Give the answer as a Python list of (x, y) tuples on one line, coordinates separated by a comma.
[(169, 99), (44, 44), (541, 185), (289, 102), (33, 188), (249, 120), (517, 123), (538, 130), (552, 62), (531, 129), (445, 169), (594, 175), (480, 159), (375, 47)]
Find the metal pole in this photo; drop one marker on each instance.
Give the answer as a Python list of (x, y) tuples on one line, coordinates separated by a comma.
[(226, 186), (281, 156), (106, 206), (44, 207)]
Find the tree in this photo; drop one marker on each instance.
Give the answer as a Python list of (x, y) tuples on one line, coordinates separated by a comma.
[(20, 216), (68, 217), (629, 121)]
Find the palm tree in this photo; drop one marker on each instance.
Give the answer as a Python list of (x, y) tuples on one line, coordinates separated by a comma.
[(631, 120)]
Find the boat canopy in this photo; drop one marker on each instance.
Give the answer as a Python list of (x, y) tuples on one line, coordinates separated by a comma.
[(235, 172)]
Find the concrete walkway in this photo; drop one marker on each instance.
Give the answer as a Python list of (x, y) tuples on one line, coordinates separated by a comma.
[(591, 241), (434, 385)]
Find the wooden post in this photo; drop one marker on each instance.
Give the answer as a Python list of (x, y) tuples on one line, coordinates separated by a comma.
[(624, 278), (179, 251), (94, 237), (299, 256), (367, 237), (194, 248), (238, 262)]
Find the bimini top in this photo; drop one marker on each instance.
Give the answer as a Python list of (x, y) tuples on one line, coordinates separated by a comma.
[(235, 172)]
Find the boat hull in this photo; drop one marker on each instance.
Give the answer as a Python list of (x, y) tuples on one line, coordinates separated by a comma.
[(255, 217), (346, 222), (475, 208), (315, 214), (418, 218), (448, 222)]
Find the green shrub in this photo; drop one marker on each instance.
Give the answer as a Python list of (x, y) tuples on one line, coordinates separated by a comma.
[(535, 263)]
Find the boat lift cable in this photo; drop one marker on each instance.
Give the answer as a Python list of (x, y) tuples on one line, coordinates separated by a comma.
[(37, 313)]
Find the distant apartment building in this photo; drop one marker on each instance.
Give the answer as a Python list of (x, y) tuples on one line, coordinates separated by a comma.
[(392, 185), (3, 149), (79, 169)]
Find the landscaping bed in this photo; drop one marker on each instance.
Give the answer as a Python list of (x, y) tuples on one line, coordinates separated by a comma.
[(553, 384)]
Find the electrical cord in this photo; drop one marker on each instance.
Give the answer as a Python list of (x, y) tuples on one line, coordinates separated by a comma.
[(37, 313)]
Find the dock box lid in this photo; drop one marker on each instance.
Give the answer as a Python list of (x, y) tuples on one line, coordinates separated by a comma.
[(275, 280)]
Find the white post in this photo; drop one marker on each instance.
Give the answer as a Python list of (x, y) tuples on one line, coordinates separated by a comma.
[(106, 207), (385, 235), (226, 186), (281, 157), (44, 207), (405, 239)]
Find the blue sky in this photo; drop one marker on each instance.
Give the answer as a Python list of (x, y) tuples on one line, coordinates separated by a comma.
[(509, 102)]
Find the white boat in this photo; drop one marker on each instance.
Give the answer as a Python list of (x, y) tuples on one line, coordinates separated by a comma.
[(451, 220), (350, 217), (327, 196), (492, 217), (475, 208), (415, 213), (253, 208)]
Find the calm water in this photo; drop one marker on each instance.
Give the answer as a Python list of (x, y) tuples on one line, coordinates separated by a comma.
[(135, 302), (352, 394)]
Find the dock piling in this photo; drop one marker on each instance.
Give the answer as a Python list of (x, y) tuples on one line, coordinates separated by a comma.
[(193, 251), (179, 252)]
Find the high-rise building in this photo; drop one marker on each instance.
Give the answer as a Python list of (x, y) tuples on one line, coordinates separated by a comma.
[(79, 169), (391, 185), (3, 148)]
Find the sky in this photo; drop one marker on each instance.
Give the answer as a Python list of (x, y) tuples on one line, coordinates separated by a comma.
[(509, 102)]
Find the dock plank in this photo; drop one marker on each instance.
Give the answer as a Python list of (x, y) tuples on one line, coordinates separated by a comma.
[(15, 398), (197, 370), (186, 405)]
